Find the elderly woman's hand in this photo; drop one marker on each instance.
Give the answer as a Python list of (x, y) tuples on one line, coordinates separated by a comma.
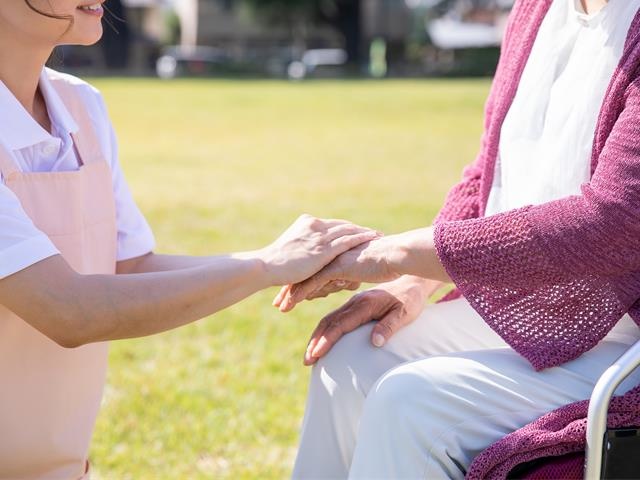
[(393, 305), (380, 260)]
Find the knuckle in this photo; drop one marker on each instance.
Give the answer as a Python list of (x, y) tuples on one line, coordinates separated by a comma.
[(403, 312), (322, 325), (338, 326), (362, 299), (333, 323), (385, 329), (315, 222), (333, 335), (303, 219), (317, 293)]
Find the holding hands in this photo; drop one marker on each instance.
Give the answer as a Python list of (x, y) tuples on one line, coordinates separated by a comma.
[(408, 267), (308, 246)]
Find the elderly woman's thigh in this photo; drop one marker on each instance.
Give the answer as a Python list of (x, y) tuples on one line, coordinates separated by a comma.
[(465, 401)]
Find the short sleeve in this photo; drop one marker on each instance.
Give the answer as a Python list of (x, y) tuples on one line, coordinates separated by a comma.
[(21, 243), (135, 237)]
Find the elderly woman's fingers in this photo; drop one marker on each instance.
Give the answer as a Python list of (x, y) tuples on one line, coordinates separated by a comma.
[(388, 325), (313, 341), (281, 294), (360, 309), (333, 287), (300, 291)]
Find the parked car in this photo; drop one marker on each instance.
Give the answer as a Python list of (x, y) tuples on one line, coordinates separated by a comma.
[(320, 61), (179, 61)]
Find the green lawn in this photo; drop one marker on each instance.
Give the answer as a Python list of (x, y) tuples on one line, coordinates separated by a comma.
[(218, 166)]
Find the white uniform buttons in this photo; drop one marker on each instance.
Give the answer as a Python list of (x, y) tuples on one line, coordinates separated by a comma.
[(49, 149)]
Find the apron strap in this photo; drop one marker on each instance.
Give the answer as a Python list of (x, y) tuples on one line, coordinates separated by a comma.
[(85, 140)]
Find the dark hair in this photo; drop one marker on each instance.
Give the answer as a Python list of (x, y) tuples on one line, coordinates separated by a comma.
[(69, 18)]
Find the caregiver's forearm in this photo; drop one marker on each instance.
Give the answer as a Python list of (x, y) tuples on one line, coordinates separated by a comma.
[(153, 262), (74, 309)]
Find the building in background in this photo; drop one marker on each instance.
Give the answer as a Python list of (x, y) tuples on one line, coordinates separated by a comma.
[(231, 37)]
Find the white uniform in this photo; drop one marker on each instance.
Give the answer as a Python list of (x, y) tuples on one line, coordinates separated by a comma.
[(36, 150), (446, 387)]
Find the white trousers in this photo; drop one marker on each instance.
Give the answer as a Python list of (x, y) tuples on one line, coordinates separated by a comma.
[(438, 393)]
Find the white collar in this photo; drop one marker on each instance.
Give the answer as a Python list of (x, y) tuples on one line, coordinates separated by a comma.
[(577, 10), (19, 130)]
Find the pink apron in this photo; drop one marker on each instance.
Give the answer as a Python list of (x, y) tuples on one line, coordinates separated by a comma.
[(49, 395)]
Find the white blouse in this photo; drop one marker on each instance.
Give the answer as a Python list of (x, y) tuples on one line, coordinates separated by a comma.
[(36, 150), (547, 137)]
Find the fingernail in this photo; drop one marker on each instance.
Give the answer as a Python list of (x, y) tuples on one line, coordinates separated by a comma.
[(378, 340), (321, 343)]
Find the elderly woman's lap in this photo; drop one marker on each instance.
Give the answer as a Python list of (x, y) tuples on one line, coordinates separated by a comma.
[(437, 394)]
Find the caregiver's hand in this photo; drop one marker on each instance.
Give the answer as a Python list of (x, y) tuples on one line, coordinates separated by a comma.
[(381, 260), (309, 245), (393, 304)]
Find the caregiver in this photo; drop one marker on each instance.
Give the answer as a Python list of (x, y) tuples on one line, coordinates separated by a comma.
[(76, 267)]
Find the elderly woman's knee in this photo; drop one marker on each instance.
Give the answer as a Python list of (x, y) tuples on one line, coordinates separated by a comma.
[(396, 390), (426, 384), (352, 366)]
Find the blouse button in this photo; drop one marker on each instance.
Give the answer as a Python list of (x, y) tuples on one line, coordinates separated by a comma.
[(583, 21), (48, 149)]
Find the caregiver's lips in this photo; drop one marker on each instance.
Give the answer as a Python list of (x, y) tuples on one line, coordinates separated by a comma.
[(94, 9)]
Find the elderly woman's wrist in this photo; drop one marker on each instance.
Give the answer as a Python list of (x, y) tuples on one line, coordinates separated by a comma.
[(414, 253), (426, 285)]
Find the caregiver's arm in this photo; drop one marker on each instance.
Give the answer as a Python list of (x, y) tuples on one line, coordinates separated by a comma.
[(154, 262), (74, 309)]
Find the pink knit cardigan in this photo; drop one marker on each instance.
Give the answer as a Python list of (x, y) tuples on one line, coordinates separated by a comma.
[(551, 279)]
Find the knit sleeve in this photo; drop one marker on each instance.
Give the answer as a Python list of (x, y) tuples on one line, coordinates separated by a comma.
[(553, 279)]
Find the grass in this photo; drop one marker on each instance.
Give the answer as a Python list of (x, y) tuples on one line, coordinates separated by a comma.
[(220, 166)]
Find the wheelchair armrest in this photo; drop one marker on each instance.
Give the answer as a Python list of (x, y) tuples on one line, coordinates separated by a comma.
[(599, 406)]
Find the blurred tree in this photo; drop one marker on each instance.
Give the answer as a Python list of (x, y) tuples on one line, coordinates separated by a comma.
[(343, 15), (116, 40)]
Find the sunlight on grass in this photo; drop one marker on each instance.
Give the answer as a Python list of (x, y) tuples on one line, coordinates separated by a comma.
[(219, 166)]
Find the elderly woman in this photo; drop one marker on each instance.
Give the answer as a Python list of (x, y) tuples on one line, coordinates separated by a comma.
[(541, 239)]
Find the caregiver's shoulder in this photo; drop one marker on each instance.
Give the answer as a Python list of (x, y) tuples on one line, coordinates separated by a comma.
[(89, 94)]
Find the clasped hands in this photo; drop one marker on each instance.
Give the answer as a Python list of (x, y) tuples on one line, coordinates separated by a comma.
[(405, 266)]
